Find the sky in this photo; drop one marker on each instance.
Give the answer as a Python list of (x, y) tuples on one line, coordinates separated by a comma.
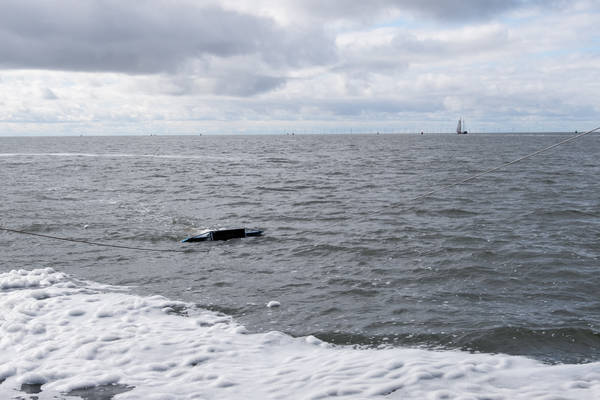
[(113, 67)]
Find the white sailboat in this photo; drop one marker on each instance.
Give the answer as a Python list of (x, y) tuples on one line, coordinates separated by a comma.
[(460, 127)]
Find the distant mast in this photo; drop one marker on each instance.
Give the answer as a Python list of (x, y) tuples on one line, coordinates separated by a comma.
[(459, 127)]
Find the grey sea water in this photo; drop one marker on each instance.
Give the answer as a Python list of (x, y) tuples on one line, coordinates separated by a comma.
[(505, 264)]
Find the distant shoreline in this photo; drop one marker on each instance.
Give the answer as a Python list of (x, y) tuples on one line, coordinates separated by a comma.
[(295, 134)]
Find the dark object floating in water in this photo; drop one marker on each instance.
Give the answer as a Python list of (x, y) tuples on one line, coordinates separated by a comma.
[(223, 234)]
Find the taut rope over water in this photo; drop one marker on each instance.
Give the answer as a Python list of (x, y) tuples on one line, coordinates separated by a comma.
[(95, 243), (503, 165)]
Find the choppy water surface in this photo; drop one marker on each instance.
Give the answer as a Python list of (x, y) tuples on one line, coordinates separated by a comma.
[(507, 263)]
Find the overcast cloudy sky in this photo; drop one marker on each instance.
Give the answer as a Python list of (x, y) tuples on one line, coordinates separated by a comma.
[(274, 66)]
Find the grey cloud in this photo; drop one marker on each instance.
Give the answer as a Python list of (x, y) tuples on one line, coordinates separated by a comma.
[(146, 36), (247, 85), (237, 83), (460, 10), (444, 10)]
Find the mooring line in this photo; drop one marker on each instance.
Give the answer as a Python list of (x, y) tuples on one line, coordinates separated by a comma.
[(96, 243), (470, 178)]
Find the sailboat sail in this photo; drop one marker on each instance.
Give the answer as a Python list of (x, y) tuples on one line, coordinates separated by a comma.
[(460, 127)]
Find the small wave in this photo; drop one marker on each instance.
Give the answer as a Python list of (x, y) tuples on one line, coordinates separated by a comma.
[(558, 345), (567, 345), (277, 189), (279, 160), (316, 202), (41, 228), (449, 212), (113, 155), (241, 203), (356, 293), (568, 213), (321, 249)]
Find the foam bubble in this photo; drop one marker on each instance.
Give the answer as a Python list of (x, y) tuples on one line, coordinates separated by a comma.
[(67, 335)]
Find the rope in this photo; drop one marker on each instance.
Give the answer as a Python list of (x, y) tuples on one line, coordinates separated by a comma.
[(503, 165), (93, 243)]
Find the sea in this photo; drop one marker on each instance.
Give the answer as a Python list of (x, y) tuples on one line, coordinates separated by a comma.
[(358, 288)]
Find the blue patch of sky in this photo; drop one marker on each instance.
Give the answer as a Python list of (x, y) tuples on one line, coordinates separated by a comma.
[(433, 25)]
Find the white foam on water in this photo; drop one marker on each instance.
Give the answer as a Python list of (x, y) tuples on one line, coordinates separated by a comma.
[(66, 335), (118, 155)]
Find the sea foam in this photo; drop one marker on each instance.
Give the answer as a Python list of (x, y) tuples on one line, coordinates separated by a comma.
[(66, 335)]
